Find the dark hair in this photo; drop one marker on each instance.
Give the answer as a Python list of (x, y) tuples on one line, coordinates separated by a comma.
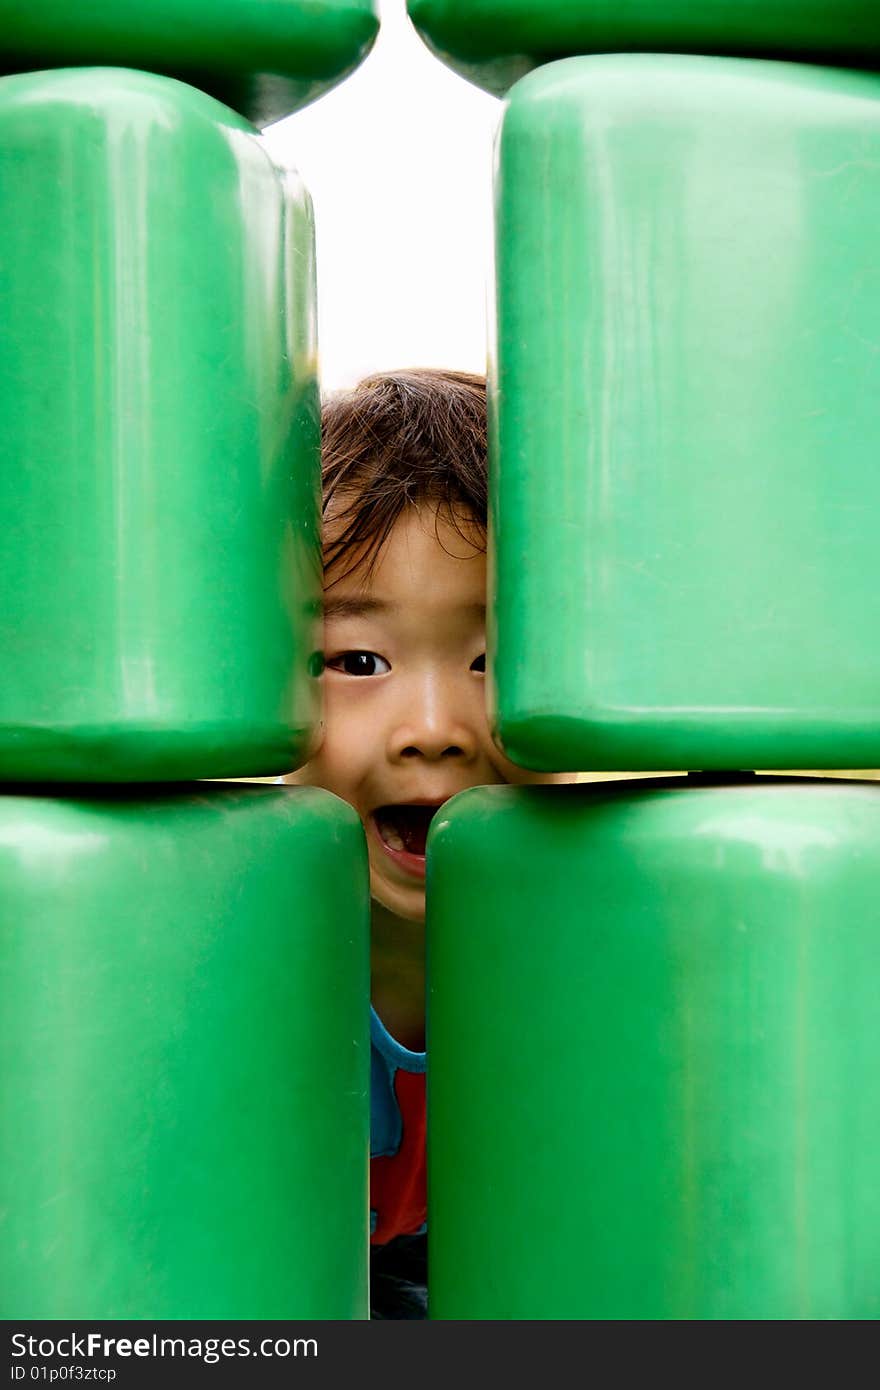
[(398, 440)]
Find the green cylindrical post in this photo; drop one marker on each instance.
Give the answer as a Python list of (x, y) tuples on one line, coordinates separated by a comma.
[(159, 557), (654, 1049), (184, 1045), (685, 415)]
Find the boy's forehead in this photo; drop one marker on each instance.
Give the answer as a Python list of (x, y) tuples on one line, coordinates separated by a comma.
[(424, 562), (424, 549)]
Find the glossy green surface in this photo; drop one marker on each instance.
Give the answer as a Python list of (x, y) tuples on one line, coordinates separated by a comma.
[(494, 42), (265, 58), (654, 1052), (159, 472), (685, 417), (184, 1051)]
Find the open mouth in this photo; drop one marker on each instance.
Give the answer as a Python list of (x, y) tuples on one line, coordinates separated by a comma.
[(403, 829)]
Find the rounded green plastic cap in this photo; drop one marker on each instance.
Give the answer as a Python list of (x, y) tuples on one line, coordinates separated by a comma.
[(184, 1116), (685, 413), (159, 454), (495, 42), (654, 1044), (265, 58)]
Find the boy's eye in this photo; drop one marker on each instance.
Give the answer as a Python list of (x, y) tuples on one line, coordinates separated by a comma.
[(359, 664), (479, 664)]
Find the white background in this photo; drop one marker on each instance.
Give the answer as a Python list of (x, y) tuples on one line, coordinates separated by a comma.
[(398, 161)]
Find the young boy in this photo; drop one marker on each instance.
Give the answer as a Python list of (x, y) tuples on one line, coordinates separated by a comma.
[(404, 479)]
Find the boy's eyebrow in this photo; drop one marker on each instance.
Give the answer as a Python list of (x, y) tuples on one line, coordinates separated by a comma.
[(363, 607), (354, 607)]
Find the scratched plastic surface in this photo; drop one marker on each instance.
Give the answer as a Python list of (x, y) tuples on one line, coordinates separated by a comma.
[(159, 557), (265, 58), (654, 1050), (184, 1114), (686, 411), (494, 42)]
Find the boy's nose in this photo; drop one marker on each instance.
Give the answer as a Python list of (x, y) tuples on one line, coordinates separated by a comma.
[(430, 726)]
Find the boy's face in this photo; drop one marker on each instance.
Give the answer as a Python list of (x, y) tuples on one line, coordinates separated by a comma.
[(405, 718)]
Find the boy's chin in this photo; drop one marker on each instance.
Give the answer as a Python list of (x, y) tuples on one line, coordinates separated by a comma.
[(408, 903)]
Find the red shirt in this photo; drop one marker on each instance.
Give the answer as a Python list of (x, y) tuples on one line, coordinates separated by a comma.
[(398, 1170)]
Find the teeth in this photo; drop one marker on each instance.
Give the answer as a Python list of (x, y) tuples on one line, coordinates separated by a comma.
[(389, 834)]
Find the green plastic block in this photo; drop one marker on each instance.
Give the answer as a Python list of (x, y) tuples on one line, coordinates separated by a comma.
[(159, 470), (654, 1052), (685, 417), (494, 42), (265, 58), (184, 1047)]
